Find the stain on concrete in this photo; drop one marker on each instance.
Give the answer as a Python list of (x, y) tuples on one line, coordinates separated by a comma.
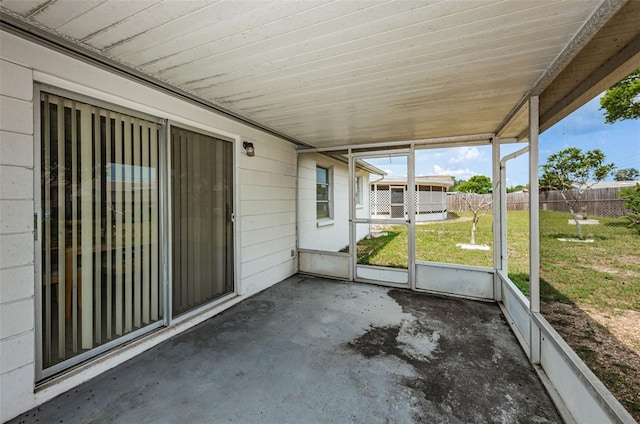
[(469, 368), (378, 341)]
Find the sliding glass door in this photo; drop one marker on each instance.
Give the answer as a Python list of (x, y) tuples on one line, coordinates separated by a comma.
[(103, 238), (100, 228), (201, 218)]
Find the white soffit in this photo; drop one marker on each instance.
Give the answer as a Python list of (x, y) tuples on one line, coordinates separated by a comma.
[(335, 72)]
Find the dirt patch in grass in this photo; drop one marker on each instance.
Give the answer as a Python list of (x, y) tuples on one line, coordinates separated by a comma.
[(623, 324), (618, 266), (609, 343)]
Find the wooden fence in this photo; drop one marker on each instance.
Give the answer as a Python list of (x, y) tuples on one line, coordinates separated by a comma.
[(600, 202), (456, 202), (515, 201)]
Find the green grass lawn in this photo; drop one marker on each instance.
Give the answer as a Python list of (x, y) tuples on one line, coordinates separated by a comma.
[(603, 274), (432, 244)]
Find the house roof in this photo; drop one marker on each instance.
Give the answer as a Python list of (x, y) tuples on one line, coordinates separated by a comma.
[(366, 166), (430, 180), (325, 73), (614, 184)]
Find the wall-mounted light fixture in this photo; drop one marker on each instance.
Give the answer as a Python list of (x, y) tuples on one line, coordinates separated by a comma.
[(248, 147)]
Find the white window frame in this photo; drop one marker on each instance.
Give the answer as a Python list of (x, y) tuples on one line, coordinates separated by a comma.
[(328, 219)]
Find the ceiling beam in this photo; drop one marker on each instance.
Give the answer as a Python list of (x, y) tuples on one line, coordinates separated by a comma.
[(434, 142)]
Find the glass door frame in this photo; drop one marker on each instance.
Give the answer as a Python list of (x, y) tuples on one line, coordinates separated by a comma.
[(408, 220), (164, 228), (42, 373), (170, 319)]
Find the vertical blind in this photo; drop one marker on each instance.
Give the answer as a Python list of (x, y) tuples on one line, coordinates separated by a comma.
[(100, 246), (202, 229)]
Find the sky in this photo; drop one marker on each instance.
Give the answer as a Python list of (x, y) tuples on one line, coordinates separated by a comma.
[(584, 128)]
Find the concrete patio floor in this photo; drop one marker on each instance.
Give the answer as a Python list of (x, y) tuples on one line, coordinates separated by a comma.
[(311, 350)]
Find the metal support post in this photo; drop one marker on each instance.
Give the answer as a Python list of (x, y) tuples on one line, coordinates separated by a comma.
[(497, 198), (534, 226), (411, 217), (352, 215)]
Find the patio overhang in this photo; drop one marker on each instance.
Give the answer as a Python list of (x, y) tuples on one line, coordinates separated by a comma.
[(325, 74), (347, 78)]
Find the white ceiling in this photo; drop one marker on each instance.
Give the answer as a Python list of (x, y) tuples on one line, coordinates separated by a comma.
[(336, 72)]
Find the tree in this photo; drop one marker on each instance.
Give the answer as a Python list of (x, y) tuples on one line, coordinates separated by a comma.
[(631, 198), (456, 184), (479, 184), (622, 100), (572, 173), (626, 174), (474, 190), (518, 187)]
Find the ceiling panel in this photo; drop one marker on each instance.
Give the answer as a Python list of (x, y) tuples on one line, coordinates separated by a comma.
[(23, 7), (337, 72), (65, 11), (220, 23), (101, 18), (135, 25)]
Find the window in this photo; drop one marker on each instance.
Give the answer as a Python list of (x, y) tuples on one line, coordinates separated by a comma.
[(100, 228), (323, 193)]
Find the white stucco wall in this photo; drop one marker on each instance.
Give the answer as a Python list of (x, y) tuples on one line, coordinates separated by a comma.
[(333, 234), (265, 200)]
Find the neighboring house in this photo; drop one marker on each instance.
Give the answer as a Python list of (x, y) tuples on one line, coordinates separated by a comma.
[(323, 207), (389, 197), (613, 184)]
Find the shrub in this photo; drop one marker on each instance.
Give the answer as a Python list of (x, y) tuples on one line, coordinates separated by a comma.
[(631, 198)]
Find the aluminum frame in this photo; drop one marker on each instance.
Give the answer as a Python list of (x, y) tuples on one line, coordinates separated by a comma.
[(198, 310), (409, 221), (42, 374), (164, 237)]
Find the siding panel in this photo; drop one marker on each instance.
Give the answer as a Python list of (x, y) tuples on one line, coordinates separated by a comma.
[(15, 81), (17, 183), (16, 250), (16, 352), (255, 222), (259, 207), (267, 193), (267, 248), (16, 116), (16, 149), (16, 318), (17, 391), (16, 283), (17, 311), (16, 216)]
